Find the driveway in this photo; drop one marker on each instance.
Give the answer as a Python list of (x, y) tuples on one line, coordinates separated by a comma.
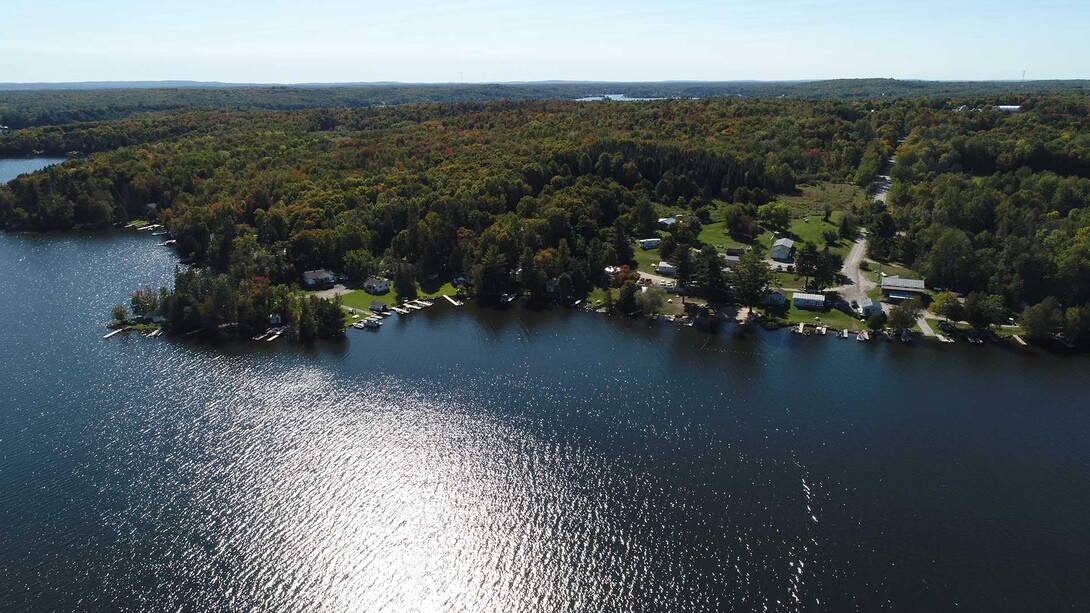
[(858, 284)]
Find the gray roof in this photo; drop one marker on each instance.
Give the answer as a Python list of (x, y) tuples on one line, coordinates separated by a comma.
[(318, 275), (784, 242), (896, 282), (814, 297)]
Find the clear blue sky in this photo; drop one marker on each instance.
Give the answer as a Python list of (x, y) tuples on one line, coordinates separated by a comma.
[(489, 40)]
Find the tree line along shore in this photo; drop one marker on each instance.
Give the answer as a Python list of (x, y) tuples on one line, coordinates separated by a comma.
[(529, 196)]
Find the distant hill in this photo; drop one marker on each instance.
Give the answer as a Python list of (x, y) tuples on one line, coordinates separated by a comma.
[(30, 104)]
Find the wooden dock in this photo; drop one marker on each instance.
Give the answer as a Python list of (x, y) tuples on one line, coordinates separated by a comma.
[(1020, 340), (400, 311), (117, 331), (453, 301)]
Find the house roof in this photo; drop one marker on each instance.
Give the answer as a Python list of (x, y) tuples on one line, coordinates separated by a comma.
[(899, 283), (318, 275), (866, 302), (667, 220), (814, 297), (664, 265), (784, 242)]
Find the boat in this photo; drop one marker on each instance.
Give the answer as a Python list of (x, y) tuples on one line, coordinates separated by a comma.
[(373, 324), (508, 298), (887, 335), (945, 339), (975, 340), (906, 337), (823, 330), (862, 337), (843, 333), (800, 329)]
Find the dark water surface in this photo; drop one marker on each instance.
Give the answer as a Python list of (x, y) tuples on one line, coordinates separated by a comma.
[(468, 460), (13, 167)]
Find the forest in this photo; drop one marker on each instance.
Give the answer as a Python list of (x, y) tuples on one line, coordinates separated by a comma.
[(513, 193), (28, 105)]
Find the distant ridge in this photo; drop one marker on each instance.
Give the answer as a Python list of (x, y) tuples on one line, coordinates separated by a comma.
[(869, 85), (36, 104)]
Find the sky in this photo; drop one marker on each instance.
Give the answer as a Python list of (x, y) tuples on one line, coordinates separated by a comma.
[(279, 41)]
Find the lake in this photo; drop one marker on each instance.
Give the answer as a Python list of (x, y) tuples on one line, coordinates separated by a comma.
[(13, 167), (463, 459)]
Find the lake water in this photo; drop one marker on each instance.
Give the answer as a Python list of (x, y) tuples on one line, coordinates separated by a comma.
[(13, 167), (469, 460)]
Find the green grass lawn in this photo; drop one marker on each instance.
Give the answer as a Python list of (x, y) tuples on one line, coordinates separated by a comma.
[(808, 229), (891, 269), (833, 318), (645, 260)]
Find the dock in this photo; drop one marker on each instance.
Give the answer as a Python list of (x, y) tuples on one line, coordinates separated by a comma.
[(1020, 340), (399, 310), (453, 301), (117, 331), (945, 339)]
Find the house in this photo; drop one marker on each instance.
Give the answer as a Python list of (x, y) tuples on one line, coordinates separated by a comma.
[(730, 260), (551, 285), (735, 251), (315, 279), (775, 298), (868, 307), (808, 301), (1009, 108), (649, 243), (897, 288), (275, 319), (782, 248), (665, 268), (666, 222), (376, 285), (379, 307)]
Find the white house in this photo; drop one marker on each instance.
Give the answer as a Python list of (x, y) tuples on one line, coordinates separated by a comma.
[(649, 243), (1009, 108), (665, 268), (868, 307), (781, 249), (376, 285), (775, 298), (319, 278), (808, 301)]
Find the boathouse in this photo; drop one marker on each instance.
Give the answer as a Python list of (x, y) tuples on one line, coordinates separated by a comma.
[(896, 288)]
